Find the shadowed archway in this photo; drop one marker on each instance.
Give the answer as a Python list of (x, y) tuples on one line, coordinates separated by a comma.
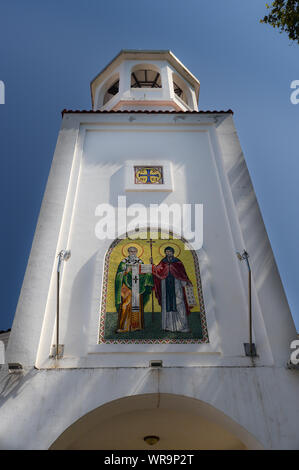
[(181, 423)]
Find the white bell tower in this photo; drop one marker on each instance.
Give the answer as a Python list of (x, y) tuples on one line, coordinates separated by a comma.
[(145, 80), (138, 343)]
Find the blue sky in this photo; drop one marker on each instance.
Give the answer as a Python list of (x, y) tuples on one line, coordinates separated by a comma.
[(51, 50)]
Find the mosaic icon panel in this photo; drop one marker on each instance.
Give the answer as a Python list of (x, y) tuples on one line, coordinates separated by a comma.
[(152, 293)]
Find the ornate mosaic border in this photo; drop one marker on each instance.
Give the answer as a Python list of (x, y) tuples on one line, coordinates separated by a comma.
[(204, 328), (149, 167)]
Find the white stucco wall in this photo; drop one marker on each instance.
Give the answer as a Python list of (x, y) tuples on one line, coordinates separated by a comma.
[(208, 168), (38, 406)]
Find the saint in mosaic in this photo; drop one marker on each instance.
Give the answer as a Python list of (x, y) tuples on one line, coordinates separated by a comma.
[(152, 293)]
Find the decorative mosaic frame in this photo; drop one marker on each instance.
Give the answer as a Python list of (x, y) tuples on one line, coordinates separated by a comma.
[(130, 176), (204, 328), (148, 167)]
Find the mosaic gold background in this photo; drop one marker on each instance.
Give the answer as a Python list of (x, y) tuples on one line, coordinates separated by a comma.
[(121, 251)]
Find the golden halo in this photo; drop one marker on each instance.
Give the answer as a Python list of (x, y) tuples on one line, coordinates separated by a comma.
[(139, 248), (177, 249)]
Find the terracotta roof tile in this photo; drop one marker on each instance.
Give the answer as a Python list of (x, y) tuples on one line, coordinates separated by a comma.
[(66, 111)]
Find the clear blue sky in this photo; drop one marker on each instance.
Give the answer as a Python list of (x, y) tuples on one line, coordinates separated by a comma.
[(50, 50)]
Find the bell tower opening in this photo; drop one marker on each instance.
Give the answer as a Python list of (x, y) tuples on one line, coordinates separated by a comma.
[(180, 89), (112, 91), (145, 77), (108, 90)]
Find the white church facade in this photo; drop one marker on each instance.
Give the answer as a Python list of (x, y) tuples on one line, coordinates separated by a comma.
[(155, 331)]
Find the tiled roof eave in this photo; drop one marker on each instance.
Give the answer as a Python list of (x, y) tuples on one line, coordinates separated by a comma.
[(98, 111)]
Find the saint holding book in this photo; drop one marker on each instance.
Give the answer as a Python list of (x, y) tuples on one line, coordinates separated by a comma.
[(170, 279)]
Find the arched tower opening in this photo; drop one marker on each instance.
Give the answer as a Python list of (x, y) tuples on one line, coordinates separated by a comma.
[(181, 90), (108, 90), (146, 76)]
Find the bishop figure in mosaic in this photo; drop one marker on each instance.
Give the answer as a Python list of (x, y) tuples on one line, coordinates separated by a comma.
[(133, 287)]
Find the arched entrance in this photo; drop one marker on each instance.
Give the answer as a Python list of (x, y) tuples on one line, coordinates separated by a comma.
[(181, 423)]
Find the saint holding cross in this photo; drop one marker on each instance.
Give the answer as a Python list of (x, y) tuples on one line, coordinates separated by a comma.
[(136, 282), (133, 287)]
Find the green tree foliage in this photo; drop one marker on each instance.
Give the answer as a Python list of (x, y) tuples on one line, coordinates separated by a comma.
[(284, 15)]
